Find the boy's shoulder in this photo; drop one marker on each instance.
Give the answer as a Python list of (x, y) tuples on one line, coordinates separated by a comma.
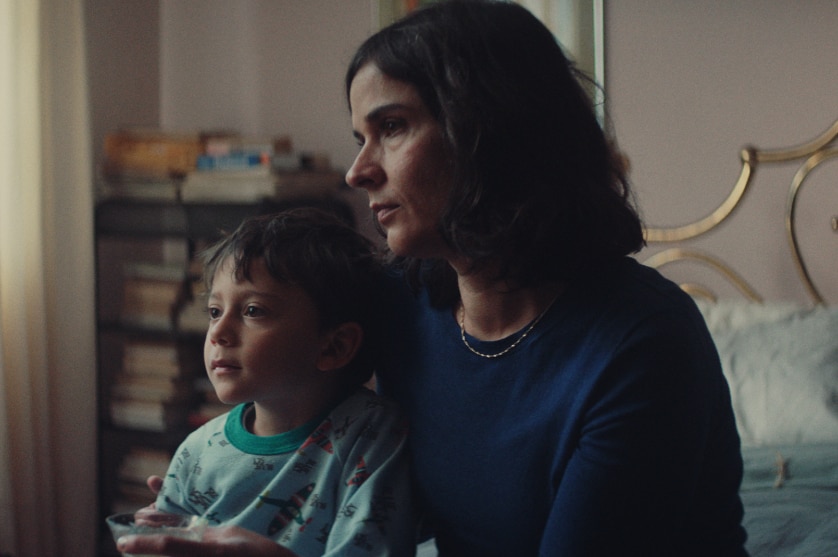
[(362, 416), (366, 404), (205, 434)]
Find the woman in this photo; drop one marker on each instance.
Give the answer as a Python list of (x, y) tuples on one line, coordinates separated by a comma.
[(563, 399)]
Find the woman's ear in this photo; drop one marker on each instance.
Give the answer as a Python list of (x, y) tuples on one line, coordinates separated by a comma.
[(340, 346)]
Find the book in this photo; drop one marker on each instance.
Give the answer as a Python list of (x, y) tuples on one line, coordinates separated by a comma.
[(205, 412), (149, 388), (146, 415), (151, 358), (143, 190), (210, 407), (234, 161), (130, 497), (192, 314), (192, 317), (149, 154), (134, 468), (151, 294), (309, 183), (141, 462), (259, 182), (239, 185)]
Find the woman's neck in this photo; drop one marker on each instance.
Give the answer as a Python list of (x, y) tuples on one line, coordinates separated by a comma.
[(492, 310)]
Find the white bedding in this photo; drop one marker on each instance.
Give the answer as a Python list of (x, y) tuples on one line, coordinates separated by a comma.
[(799, 518), (781, 362)]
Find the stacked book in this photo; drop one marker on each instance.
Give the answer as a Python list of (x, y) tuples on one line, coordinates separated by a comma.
[(152, 391), (230, 169), (151, 294), (220, 166), (136, 466), (146, 163), (192, 317), (209, 406)]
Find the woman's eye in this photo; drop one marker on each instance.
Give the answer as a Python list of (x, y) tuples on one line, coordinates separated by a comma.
[(390, 126)]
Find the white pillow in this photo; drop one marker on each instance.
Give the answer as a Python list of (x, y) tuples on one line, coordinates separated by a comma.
[(724, 315), (781, 362)]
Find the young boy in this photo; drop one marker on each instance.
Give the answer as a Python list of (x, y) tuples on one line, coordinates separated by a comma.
[(307, 456)]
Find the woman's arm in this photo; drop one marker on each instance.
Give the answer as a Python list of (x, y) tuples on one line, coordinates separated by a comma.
[(657, 461), (223, 541)]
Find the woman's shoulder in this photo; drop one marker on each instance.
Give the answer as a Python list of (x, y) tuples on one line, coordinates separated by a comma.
[(628, 299), (628, 286)]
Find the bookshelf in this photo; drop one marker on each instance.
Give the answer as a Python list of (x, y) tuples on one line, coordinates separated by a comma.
[(152, 388)]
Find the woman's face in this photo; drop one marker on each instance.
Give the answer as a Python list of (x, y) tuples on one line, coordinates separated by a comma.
[(402, 164)]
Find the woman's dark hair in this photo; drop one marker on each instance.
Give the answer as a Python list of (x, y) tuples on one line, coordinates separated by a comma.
[(310, 248), (537, 187)]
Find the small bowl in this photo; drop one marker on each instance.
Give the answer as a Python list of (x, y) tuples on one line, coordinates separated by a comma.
[(183, 526)]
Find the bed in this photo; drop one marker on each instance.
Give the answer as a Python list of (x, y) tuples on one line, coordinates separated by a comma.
[(780, 358)]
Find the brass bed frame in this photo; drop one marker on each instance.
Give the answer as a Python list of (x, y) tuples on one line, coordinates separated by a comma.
[(810, 154)]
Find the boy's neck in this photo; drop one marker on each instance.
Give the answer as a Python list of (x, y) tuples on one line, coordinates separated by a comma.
[(276, 417)]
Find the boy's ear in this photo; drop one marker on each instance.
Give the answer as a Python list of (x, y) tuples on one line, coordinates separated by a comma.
[(340, 346)]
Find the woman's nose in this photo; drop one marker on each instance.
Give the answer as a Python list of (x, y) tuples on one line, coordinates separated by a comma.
[(365, 172)]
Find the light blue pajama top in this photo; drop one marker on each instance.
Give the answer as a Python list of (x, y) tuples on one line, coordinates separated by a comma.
[(336, 486)]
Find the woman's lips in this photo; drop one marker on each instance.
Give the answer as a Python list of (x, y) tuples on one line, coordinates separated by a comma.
[(384, 212)]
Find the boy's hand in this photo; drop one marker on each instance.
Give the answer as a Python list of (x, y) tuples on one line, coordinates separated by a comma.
[(154, 483)]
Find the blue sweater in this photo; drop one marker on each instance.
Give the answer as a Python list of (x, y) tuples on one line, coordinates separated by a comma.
[(607, 431)]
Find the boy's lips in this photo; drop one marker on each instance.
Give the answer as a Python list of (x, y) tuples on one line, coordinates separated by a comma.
[(221, 366)]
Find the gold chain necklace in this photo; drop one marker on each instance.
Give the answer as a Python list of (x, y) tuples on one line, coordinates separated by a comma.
[(511, 346)]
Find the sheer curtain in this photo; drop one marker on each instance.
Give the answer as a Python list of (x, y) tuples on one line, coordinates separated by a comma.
[(578, 24), (47, 341)]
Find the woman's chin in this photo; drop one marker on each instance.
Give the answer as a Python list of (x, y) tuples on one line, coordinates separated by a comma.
[(406, 245)]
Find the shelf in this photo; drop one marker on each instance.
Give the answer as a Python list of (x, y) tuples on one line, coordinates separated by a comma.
[(120, 328), (156, 219), (161, 219)]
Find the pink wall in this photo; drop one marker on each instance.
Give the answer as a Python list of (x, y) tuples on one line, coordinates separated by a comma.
[(690, 83), (687, 83)]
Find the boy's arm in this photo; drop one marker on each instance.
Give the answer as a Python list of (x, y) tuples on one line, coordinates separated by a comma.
[(170, 494)]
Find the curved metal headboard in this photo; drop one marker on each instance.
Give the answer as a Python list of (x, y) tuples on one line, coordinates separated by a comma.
[(812, 154)]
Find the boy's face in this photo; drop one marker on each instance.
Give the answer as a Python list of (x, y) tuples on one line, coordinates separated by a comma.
[(263, 341)]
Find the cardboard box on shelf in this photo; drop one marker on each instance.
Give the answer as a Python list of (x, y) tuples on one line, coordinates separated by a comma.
[(149, 154)]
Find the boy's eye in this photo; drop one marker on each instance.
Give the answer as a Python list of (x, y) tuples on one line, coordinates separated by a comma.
[(214, 313), (253, 311)]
